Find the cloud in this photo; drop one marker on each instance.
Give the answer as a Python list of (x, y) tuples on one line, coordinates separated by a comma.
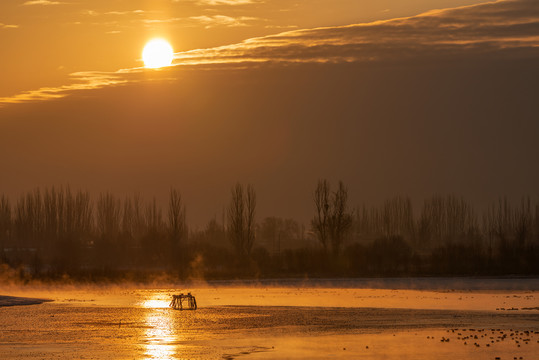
[(504, 29), (222, 20), (226, 2), (7, 26), (42, 2), (118, 13), (208, 21), (161, 21), (89, 12), (87, 80), (128, 12), (282, 27)]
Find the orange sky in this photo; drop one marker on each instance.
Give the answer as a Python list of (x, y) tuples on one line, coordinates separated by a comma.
[(45, 41), (276, 93)]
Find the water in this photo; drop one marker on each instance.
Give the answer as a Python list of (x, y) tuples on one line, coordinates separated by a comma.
[(263, 321)]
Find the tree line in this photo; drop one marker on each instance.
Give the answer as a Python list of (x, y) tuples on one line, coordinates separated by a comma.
[(55, 233)]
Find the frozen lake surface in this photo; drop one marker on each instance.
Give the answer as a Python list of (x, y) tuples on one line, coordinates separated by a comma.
[(368, 319)]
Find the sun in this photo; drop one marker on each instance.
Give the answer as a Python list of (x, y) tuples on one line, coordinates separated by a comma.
[(157, 53)]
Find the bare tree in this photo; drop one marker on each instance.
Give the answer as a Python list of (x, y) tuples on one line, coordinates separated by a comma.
[(536, 223), (133, 217), (51, 206), (241, 219), (276, 233), (366, 227), (214, 232), (154, 217), (81, 209), (498, 221), (332, 219), (340, 220), (320, 223), (398, 218), (447, 219), (523, 222), (133, 220), (176, 218), (5, 221), (108, 216), (128, 218), (29, 219), (250, 212)]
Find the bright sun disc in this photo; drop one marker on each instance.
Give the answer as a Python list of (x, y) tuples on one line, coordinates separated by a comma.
[(157, 53)]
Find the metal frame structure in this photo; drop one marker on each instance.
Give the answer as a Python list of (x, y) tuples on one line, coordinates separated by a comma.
[(183, 302)]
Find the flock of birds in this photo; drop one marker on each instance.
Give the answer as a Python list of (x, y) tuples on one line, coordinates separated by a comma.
[(488, 338)]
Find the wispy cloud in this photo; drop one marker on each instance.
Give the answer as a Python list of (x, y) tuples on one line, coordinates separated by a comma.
[(223, 20), (207, 21), (491, 28), (499, 29), (42, 2), (128, 12), (161, 21), (281, 27), (89, 12), (226, 2), (86, 80), (8, 26)]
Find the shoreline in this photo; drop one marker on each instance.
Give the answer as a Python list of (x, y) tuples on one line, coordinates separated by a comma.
[(441, 284), (6, 301)]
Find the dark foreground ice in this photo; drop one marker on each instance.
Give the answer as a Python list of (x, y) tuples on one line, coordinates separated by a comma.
[(17, 301)]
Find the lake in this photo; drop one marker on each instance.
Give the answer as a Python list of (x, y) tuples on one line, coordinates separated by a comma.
[(294, 319)]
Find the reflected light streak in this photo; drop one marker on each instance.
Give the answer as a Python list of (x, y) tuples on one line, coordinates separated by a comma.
[(161, 337), (155, 304)]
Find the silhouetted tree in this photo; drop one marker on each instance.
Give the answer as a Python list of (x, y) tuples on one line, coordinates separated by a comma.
[(366, 225), (29, 219), (133, 222), (106, 247), (332, 219), (447, 219), (340, 219), (108, 213), (215, 233), (176, 218), (320, 223), (55, 231), (5, 221), (80, 210), (241, 219), (275, 233), (177, 231), (53, 206), (523, 222), (67, 222), (536, 223), (398, 218), (154, 243)]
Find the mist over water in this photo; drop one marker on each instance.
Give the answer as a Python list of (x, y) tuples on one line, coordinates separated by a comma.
[(326, 187), (296, 319)]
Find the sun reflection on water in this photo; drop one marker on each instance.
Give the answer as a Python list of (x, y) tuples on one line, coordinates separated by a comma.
[(154, 304), (161, 337)]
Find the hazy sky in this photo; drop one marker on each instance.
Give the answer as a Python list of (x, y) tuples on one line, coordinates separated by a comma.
[(393, 97)]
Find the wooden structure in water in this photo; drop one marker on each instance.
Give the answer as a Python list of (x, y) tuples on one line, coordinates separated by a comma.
[(183, 302)]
